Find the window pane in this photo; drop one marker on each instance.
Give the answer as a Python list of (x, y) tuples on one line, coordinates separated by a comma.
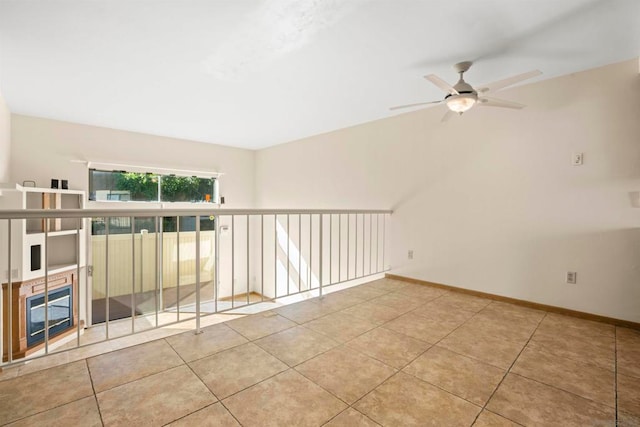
[(188, 223), (187, 189), (123, 186)]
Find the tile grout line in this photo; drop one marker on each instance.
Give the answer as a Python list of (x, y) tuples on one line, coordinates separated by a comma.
[(292, 368), (306, 360), (264, 336), (310, 320), (259, 382), (498, 415), (233, 394), (574, 360), (569, 391), (205, 385), (136, 379), (230, 413), (214, 395), (394, 318), (371, 391), (327, 391), (459, 354), (342, 314), (562, 390), (95, 395), (345, 410), (288, 367), (204, 330), (66, 403), (69, 351), (438, 341), (184, 416), (445, 390), (433, 345), (330, 392), (509, 370)]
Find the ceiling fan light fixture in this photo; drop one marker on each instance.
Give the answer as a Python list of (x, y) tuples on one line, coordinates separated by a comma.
[(462, 102)]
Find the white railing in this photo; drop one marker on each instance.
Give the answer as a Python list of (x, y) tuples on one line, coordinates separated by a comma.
[(128, 279)]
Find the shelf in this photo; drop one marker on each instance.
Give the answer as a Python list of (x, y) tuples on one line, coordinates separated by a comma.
[(48, 190), (55, 233), (62, 232), (59, 268), (18, 187)]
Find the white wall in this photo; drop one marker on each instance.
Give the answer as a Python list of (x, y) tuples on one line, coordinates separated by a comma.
[(490, 201), (5, 140), (43, 149)]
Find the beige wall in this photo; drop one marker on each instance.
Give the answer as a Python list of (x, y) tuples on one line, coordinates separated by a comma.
[(43, 149), (5, 141), (490, 201)]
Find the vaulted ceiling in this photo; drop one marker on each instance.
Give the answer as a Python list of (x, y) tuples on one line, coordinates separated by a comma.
[(252, 73)]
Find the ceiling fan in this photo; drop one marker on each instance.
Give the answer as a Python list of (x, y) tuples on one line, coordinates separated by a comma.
[(462, 96)]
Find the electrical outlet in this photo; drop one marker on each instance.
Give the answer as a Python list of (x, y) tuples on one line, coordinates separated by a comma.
[(410, 253), (572, 277), (577, 159)]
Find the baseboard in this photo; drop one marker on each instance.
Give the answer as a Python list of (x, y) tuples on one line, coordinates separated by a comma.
[(524, 303)]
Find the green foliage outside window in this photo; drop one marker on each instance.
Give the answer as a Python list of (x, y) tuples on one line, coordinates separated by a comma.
[(185, 188), (134, 186), (141, 186)]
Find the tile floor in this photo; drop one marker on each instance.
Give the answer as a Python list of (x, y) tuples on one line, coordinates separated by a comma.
[(383, 353)]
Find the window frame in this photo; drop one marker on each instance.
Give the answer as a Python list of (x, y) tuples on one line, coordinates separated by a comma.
[(159, 174)]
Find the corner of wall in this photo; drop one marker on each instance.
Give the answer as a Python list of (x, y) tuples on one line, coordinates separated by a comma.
[(255, 195), (5, 141)]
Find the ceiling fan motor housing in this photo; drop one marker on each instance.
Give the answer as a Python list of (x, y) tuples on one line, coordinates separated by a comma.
[(464, 100)]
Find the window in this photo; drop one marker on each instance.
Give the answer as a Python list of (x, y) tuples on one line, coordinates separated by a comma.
[(186, 189), (150, 187)]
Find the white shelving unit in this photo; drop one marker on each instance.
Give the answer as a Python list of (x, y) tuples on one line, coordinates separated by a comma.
[(28, 245), (45, 254)]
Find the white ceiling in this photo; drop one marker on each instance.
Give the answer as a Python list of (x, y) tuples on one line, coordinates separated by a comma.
[(251, 73)]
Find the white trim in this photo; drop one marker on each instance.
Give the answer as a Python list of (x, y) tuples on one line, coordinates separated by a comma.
[(145, 169)]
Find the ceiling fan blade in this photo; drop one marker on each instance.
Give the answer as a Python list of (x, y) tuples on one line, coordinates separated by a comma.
[(493, 102), (398, 107), (447, 116), (501, 84), (441, 84)]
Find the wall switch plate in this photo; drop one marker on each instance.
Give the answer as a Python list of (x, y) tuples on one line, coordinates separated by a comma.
[(572, 277), (577, 159), (411, 254)]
